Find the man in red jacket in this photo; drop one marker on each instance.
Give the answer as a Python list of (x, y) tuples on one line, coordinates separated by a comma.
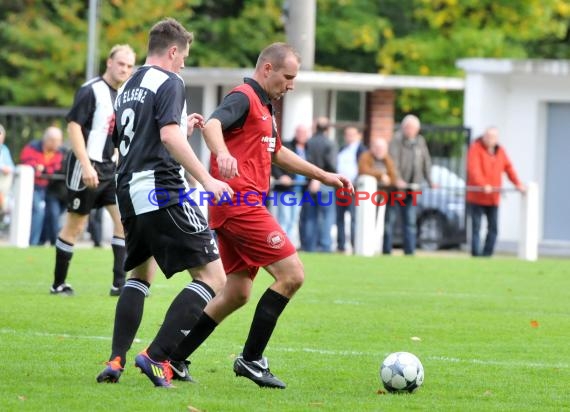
[(46, 157), (486, 162)]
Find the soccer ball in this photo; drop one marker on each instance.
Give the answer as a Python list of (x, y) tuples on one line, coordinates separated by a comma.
[(402, 372)]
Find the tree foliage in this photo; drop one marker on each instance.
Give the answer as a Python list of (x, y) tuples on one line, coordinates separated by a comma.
[(348, 34), (43, 56), (443, 31)]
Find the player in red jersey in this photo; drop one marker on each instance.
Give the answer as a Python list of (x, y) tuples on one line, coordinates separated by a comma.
[(243, 138)]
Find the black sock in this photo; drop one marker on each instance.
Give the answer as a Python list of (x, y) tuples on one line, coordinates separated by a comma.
[(181, 317), (119, 252), (63, 255), (199, 333), (128, 316), (265, 318)]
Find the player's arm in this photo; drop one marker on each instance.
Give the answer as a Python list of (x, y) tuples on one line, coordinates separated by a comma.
[(80, 114), (231, 113), (179, 148), (88, 174), (288, 160)]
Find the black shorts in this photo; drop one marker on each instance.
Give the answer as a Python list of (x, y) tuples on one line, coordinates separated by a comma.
[(83, 201), (177, 236)]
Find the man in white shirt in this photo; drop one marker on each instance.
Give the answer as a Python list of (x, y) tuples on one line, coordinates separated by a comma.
[(347, 165)]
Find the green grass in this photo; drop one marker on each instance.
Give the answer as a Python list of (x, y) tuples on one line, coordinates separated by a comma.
[(478, 346)]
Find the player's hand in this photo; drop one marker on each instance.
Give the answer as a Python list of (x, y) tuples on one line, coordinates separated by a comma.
[(217, 187), (90, 177), (487, 188), (338, 181), (227, 164), (192, 121)]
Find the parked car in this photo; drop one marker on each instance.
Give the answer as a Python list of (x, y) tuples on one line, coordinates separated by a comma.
[(441, 212)]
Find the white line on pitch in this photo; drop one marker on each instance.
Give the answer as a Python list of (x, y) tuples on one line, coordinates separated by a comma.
[(327, 352), (55, 335), (431, 358)]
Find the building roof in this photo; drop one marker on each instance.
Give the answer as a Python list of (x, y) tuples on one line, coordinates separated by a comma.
[(326, 80), (515, 66)]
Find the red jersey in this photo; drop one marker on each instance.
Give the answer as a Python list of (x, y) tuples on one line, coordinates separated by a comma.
[(253, 145)]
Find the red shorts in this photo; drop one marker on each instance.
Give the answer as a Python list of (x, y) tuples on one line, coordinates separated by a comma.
[(252, 240)]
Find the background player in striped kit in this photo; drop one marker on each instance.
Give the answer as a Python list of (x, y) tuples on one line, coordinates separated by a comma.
[(91, 167), (161, 225)]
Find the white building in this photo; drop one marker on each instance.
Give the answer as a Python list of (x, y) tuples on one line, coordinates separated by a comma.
[(529, 102)]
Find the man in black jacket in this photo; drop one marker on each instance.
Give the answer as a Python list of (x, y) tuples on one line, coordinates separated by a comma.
[(318, 215), (289, 187)]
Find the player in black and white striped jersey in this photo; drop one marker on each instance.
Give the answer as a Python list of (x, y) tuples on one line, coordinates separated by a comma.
[(161, 226), (91, 167)]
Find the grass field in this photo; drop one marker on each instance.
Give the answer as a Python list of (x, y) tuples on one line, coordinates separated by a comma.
[(493, 336)]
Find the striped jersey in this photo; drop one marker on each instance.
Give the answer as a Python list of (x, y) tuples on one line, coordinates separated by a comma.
[(93, 110), (148, 177)]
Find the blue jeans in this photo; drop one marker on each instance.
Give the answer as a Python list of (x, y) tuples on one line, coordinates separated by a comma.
[(316, 222), (409, 223), (53, 211), (341, 211), (287, 212), (38, 215), (491, 212)]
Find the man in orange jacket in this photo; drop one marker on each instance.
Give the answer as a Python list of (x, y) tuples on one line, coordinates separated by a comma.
[(486, 162)]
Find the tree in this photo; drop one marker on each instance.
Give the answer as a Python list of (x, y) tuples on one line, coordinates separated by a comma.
[(45, 41), (443, 31), (348, 34)]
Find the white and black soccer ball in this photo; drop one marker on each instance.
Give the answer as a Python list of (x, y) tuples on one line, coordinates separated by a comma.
[(402, 372)]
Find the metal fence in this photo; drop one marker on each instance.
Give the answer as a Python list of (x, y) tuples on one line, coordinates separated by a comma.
[(442, 213)]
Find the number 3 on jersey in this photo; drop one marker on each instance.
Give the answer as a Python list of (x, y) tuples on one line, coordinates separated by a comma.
[(127, 123)]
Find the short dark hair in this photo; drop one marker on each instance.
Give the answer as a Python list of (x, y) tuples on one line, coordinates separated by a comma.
[(166, 33), (276, 54), (322, 124)]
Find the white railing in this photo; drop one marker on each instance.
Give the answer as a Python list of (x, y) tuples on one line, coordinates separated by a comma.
[(21, 213), (370, 220)]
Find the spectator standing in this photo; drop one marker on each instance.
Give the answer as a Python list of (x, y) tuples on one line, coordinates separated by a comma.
[(6, 172), (347, 162), (46, 158), (56, 199), (377, 162), (318, 215), (289, 187), (410, 153), (486, 163)]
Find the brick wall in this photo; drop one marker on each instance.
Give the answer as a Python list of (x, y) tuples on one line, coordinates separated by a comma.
[(380, 114)]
